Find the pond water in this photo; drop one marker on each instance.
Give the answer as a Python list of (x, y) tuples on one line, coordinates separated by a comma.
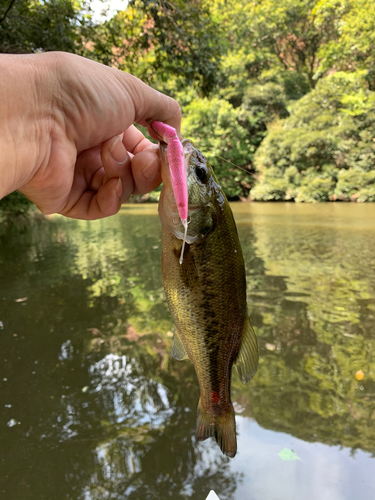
[(93, 407)]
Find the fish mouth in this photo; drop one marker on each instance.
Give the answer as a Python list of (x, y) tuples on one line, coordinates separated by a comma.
[(194, 208), (191, 210)]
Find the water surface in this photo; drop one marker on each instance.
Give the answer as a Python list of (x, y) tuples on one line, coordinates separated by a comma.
[(93, 407)]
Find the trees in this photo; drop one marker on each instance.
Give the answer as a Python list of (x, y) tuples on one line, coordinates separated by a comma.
[(325, 149), (34, 25), (252, 78), (157, 41), (352, 46)]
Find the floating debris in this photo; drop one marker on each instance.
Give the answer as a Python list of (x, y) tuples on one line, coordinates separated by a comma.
[(287, 454), (23, 299), (359, 375)]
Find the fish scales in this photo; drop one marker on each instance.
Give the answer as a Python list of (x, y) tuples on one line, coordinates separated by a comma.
[(207, 295)]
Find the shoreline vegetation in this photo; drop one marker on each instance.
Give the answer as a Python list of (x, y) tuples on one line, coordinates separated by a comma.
[(284, 90)]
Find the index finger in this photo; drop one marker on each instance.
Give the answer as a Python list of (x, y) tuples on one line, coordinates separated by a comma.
[(134, 141)]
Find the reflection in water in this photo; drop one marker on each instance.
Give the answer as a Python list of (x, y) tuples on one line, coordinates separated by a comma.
[(93, 407)]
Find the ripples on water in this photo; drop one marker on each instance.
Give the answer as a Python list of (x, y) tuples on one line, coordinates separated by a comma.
[(92, 406)]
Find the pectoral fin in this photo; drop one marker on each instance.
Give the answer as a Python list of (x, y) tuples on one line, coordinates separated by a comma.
[(178, 350), (248, 357)]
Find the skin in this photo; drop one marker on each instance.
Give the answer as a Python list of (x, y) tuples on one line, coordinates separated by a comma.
[(67, 138)]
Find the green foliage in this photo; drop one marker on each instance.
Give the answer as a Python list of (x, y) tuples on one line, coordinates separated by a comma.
[(283, 85), (283, 29), (330, 131), (352, 24), (157, 41), (14, 204), (35, 25), (354, 183), (215, 126)]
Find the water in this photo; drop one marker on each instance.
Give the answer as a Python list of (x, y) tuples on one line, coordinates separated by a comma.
[(93, 407)]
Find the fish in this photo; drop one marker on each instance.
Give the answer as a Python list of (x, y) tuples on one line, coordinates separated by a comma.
[(206, 293)]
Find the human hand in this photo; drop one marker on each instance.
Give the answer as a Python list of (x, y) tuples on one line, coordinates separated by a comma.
[(76, 151)]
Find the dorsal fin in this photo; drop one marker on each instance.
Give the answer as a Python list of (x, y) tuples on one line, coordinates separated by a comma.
[(248, 357), (178, 350)]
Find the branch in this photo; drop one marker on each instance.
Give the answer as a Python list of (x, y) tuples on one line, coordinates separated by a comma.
[(7, 11)]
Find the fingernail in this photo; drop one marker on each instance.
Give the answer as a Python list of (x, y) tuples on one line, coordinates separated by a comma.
[(119, 188), (118, 151)]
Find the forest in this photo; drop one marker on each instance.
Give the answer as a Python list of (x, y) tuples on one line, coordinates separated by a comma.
[(278, 94)]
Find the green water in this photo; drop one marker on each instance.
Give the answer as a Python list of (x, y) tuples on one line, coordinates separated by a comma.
[(93, 407)]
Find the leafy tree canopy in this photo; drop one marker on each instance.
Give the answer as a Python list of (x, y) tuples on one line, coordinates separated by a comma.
[(288, 81), (159, 40), (325, 149), (34, 25)]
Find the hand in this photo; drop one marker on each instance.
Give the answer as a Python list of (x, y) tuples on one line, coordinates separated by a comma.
[(76, 151)]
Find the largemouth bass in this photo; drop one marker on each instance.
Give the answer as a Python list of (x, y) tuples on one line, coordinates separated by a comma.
[(206, 294)]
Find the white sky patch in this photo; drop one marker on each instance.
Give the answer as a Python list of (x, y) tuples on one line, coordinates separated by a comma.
[(103, 10)]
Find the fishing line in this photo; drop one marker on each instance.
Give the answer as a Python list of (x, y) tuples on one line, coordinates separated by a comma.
[(185, 224), (335, 217), (237, 166)]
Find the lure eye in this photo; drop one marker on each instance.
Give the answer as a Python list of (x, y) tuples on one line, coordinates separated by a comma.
[(201, 173)]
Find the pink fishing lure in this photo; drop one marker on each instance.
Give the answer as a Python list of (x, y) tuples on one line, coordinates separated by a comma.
[(176, 160)]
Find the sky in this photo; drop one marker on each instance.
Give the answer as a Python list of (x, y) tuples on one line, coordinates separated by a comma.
[(113, 6)]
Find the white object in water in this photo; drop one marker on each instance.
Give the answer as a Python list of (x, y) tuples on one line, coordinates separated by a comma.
[(212, 496)]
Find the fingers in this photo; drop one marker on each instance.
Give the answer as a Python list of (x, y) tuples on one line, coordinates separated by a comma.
[(149, 104), (106, 177), (146, 170), (101, 182), (104, 203), (146, 162), (134, 141)]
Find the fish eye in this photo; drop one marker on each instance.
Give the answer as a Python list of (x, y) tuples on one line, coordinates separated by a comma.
[(201, 173)]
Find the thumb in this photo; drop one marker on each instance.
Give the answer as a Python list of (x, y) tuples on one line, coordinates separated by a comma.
[(151, 105)]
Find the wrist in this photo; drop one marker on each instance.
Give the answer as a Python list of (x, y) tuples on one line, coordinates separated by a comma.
[(25, 119)]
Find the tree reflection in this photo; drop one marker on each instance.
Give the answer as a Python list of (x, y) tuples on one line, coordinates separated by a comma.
[(317, 313), (104, 410)]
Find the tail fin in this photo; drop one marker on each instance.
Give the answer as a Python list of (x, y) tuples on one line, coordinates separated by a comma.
[(220, 427)]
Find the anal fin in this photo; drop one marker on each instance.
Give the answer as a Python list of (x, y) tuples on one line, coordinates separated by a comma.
[(178, 350), (248, 357)]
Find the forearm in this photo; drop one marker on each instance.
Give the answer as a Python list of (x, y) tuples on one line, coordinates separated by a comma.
[(24, 120)]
